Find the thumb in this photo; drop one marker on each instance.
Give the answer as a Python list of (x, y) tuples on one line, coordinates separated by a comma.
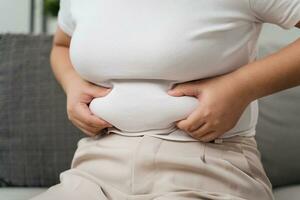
[(98, 91), (184, 89)]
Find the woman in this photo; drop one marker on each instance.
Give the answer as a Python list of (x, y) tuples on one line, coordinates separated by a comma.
[(167, 92)]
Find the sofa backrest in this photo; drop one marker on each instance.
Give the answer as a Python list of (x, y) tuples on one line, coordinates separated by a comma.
[(278, 128), (37, 141)]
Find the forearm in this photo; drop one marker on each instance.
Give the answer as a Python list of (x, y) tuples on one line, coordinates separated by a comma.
[(271, 74), (61, 65)]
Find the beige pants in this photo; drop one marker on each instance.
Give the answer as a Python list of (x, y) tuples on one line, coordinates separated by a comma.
[(120, 167)]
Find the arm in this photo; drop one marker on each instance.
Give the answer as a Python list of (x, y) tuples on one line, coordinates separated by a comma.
[(274, 73), (237, 89), (79, 92), (59, 58)]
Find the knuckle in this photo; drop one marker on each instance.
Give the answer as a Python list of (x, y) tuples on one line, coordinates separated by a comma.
[(199, 134), (187, 129), (197, 128), (88, 133), (89, 122), (192, 128), (195, 134)]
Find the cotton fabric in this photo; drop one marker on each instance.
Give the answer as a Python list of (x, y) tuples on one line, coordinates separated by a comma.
[(117, 167), (142, 48)]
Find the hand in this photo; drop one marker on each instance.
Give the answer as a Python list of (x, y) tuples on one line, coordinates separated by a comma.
[(222, 102), (79, 94)]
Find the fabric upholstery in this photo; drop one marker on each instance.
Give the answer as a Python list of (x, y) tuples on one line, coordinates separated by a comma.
[(278, 136), (278, 129), (37, 141), (19, 193), (289, 192)]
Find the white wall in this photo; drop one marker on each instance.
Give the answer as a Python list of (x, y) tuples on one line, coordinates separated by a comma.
[(273, 38), (14, 16), (272, 32)]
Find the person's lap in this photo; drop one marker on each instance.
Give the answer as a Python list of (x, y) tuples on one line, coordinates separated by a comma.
[(121, 167)]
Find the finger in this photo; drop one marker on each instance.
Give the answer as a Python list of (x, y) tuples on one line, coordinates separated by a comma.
[(196, 127), (201, 131), (209, 137), (85, 115), (192, 122), (184, 89), (80, 126), (91, 131), (87, 132), (87, 127), (97, 91)]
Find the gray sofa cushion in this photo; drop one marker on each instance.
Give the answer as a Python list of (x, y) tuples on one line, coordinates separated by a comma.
[(16, 193), (287, 193), (37, 141), (278, 136), (278, 129)]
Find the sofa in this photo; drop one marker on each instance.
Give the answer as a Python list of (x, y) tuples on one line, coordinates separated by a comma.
[(37, 141)]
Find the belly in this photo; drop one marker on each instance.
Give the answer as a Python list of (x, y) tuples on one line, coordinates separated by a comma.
[(142, 105)]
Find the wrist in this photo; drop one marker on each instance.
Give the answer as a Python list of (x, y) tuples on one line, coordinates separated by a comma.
[(68, 80), (244, 86)]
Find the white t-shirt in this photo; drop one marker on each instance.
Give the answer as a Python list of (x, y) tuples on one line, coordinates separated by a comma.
[(141, 48)]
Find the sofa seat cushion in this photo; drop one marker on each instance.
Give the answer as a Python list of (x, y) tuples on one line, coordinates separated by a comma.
[(289, 192), (19, 193), (22, 193)]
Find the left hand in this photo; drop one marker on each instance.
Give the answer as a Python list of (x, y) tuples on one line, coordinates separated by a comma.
[(222, 102)]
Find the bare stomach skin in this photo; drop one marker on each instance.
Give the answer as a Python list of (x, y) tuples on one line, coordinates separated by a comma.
[(142, 105)]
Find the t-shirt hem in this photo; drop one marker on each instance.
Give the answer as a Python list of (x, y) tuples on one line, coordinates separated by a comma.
[(180, 135)]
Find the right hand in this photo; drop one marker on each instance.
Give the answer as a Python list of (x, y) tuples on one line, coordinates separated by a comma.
[(79, 94)]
